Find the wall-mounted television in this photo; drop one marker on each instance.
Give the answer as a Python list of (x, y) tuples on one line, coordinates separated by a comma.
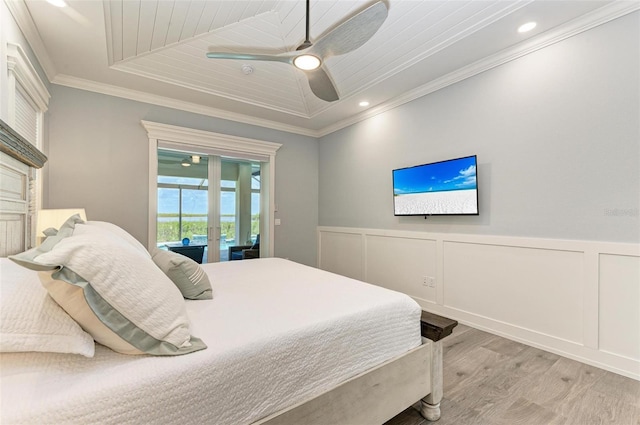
[(438, 188)]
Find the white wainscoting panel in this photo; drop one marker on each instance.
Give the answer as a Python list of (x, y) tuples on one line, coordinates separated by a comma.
[(341, 253), (579, 299), (14, 205), (536, 289), (12, 231), (620, 305), (412, 260)]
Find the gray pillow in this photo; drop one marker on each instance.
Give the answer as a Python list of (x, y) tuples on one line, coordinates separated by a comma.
[(188, 276)]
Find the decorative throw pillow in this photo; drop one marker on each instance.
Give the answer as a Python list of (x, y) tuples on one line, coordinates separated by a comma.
[(115, 292), (187, 275), (31, 321)]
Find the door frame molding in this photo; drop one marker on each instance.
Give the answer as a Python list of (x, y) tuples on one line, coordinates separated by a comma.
[(217, 144)]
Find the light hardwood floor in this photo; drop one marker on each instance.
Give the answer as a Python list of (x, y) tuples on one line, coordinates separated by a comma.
[(489, 380)]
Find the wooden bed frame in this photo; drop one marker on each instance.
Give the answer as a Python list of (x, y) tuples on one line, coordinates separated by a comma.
[(381, 393), (372, 397)]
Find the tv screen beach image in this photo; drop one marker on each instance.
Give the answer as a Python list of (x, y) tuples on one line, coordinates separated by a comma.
[(447, 187)]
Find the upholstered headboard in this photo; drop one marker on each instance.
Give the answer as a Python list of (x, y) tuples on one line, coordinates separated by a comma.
[(18, 161)]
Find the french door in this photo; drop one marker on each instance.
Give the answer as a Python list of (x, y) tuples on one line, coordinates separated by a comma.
[(208, 206), (255, 161)]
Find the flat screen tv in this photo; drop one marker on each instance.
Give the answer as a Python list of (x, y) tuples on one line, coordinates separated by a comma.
[(439, 188)]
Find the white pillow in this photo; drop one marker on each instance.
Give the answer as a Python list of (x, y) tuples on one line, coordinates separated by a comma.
[(31, 321), (113, 291), (119, 231)]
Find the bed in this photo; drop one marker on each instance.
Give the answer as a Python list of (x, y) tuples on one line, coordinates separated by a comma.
[(285, 344)]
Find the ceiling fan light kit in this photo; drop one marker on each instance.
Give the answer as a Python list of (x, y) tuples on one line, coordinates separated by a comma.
[(310, 57), (306, 62)]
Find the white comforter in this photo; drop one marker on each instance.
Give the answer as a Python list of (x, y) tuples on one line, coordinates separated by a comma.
[(277, 333)]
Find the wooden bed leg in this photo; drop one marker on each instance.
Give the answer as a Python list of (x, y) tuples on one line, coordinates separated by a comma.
[(435, 328), (430, 405), (430, 412)]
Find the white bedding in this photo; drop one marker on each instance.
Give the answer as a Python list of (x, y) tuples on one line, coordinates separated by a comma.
[(277, 334)]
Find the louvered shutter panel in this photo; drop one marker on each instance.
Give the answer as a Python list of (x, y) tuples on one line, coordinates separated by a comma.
[(26, 118)]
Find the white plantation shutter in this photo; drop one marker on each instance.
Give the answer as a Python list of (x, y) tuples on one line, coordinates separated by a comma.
[(28, 97), (26, 116), (27, 101)]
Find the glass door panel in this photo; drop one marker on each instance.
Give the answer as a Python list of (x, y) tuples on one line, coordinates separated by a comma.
[(208, 206), (255, 202), (240, 208), (182, 215), (168, 227), (194, 215), (227, 217)]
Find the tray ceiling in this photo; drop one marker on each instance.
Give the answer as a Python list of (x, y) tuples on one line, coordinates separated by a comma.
[(157, 48)]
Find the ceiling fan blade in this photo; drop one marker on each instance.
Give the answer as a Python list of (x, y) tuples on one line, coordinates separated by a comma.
[(251, 57), (321, 85), (352, 33)]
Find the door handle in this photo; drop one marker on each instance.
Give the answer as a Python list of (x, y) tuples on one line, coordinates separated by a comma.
[(216, 234)]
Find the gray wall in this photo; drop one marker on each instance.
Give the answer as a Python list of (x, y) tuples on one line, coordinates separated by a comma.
[(98, 159), (557, 138)]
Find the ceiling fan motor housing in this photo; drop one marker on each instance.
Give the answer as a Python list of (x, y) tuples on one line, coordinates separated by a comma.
[(305, 45)]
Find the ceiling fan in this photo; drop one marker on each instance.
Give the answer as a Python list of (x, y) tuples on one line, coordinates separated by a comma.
[(310, 57)]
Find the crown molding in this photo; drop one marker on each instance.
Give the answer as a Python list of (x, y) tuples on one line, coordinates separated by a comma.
[(20, 12), (591, 20), (139, 96)]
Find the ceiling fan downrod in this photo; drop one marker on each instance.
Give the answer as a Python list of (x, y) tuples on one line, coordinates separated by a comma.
[(307, 43), (306, 62)]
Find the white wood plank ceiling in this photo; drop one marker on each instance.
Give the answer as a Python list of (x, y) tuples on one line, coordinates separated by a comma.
[(167, 40)]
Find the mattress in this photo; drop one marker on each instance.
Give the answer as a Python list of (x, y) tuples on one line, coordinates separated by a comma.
[(277, 332)]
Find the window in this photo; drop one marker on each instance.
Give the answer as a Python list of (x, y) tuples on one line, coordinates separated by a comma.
[(28, 96), (27, 101)]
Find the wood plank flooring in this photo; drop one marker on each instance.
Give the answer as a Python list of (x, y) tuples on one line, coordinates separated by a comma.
[(489, 380)]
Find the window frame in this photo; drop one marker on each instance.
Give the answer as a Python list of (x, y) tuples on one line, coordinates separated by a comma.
[(22, 77)]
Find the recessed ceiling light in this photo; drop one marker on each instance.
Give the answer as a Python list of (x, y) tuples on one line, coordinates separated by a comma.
[(527, 27), (364, 103), (57, 3)]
